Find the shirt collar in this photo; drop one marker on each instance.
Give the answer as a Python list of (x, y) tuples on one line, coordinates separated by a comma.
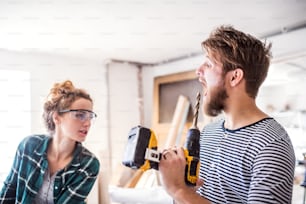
[(76, 161), (42, 147)]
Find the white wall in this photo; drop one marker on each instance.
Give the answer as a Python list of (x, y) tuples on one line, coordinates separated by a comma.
[(123, 109), (279, 96)]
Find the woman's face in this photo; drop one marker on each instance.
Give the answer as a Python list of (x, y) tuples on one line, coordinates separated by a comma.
[(75, 121)]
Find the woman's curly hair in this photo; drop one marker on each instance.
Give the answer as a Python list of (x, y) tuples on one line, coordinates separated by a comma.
[(61, 96)]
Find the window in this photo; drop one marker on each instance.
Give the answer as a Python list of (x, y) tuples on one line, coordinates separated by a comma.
[(15, 120)]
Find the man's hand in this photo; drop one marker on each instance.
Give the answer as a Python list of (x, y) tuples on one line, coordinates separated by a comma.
[(172, 168)]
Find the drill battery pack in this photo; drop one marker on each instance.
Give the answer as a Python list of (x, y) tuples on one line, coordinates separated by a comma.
[(141, 144)]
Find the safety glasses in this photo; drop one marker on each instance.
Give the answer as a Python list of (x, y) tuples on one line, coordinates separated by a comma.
[(81, 114)]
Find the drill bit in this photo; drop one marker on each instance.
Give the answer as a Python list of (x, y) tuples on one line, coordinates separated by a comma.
[(196, 112)]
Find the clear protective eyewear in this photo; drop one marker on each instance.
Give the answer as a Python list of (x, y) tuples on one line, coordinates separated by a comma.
[(81, 114)]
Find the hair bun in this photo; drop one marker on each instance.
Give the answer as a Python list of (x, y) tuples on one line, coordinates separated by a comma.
[(64, 88)]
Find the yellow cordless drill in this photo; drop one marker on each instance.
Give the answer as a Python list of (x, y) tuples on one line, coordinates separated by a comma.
[(192, 148), (141, 150)]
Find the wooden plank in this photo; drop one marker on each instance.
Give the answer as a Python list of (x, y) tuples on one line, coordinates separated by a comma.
[(134, 180), (178, 122), (126, 174)]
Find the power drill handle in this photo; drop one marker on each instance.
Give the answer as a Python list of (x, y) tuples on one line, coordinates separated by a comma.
[(192, 151), (192, 143)]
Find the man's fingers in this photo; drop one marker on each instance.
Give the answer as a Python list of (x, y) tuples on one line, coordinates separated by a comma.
[(174, 151), (164, 154), (180, 152)]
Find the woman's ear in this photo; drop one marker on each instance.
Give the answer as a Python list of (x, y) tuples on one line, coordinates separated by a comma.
[(55, 117), (236, 76)]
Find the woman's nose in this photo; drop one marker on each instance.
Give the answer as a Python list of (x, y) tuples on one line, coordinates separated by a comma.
[(87, 123)]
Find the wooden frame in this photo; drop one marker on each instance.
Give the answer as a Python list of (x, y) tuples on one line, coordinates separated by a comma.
[(183, 83)]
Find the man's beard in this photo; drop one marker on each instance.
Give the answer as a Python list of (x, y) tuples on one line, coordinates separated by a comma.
[(216, 104)]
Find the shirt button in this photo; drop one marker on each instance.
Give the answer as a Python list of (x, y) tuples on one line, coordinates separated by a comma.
[(212, 165), (56, 187), (218, 149)]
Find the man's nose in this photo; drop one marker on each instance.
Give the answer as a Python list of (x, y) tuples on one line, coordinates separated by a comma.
[(200, 71)]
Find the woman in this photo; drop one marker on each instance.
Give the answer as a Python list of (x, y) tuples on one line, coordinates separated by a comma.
[(55, 168)]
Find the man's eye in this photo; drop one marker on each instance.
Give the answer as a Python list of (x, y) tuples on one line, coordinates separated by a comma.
[(206, 64)]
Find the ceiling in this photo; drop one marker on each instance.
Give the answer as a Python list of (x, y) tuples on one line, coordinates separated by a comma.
[(141, 30)]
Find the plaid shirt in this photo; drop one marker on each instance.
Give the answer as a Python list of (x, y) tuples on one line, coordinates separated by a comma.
[(72, 184)]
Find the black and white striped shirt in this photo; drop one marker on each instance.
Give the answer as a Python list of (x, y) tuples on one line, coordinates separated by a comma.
[(253, 164)]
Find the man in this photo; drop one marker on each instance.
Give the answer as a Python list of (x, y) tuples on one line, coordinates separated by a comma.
[(246, 157)]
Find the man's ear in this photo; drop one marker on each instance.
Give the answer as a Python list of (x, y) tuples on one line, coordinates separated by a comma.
[(236, 76)]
